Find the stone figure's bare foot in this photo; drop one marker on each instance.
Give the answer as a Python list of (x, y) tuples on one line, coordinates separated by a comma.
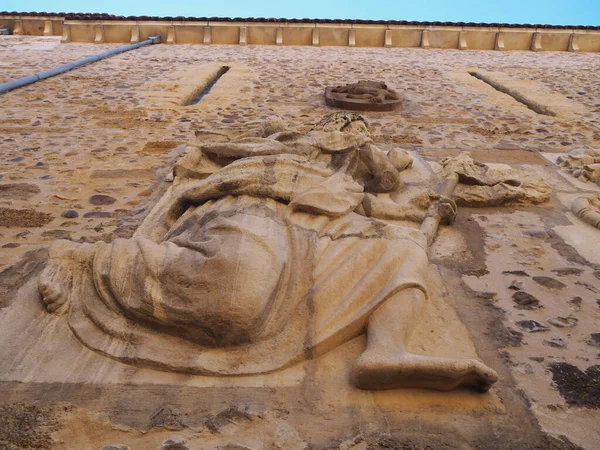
[(448, 210), (54, 294), (404, 370)]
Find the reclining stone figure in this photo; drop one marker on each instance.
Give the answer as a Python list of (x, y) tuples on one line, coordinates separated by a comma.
[(275, 258)]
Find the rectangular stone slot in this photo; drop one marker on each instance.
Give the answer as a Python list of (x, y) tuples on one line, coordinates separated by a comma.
[(531, 104), (196, 98)]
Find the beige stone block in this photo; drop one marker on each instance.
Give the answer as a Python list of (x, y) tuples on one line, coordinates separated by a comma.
[(515, 40), (370, 37), (333, 37), (262, 35), (7, 22), (66, 34), (33, 27), (588, 42), (481, 40), (405, 38), (225, 35), (114, 33), (82, 32), (555, 42), (154, 29), (57, 26), (189, 34), (443, 38), (297, 36)]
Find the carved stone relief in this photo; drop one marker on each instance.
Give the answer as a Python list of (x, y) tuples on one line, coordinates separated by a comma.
[(482, 186), (363, 96), (273, 247), (583, 164)]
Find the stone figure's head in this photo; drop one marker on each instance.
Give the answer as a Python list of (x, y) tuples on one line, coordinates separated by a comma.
[(347, 122)]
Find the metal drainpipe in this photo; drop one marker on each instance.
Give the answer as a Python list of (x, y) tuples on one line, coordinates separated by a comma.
[(5, 87)]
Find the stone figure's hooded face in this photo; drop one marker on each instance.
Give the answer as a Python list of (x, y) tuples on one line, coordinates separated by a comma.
[(348, 134), (346, 122)]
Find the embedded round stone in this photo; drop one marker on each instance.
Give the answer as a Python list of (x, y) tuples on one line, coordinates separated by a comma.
[(101, 199), (70, 214), (594, 340), (549, 283), (555, 342), (98, 214), (525, 300), (531, 326), (563, 322)]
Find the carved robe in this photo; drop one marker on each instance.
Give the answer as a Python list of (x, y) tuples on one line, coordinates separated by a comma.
[(264, 264)]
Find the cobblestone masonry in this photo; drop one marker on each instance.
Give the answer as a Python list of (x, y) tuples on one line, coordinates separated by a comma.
[(113, 128)]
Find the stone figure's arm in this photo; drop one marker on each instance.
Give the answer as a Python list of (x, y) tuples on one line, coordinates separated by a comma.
[(384, 177), (416, 211), (379, 208), (244, 148)]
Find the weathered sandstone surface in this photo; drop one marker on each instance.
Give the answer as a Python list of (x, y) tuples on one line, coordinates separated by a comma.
[(512, 283)]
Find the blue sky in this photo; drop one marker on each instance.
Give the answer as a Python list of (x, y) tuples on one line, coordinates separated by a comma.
[(556, 12)]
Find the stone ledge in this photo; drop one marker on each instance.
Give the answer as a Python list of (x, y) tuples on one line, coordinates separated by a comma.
[(304, 32)]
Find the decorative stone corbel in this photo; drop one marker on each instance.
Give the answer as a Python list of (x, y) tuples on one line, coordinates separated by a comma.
[(352, 37), (462, 41), (499, 44), (207, 36), (48, 28), (99, 39), (135, 34), (536, 42), (573, 43), (18, 27), (425, 39), (66, 34), (171, 35), (388, 38)]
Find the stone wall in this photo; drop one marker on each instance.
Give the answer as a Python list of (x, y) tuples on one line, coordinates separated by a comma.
[(85, 156)]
